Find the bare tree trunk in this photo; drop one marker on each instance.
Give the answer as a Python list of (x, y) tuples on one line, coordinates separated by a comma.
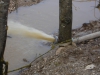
[(65, 26), (4, 4)]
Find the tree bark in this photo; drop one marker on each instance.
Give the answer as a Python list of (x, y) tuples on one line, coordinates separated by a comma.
[(4, 4), (65, 19)]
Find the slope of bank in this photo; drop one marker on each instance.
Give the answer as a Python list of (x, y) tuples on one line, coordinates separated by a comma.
[(76, 59)]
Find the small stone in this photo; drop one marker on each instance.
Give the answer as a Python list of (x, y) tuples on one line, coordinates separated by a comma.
[(98, 56), (80, 49), (74, 44), (45, 59), (91, 66), (59, 50)]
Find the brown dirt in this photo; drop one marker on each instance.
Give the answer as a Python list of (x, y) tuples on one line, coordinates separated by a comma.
[(76, 59)]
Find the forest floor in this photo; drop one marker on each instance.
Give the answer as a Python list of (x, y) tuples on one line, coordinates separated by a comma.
[(81, 58), (77, 59)]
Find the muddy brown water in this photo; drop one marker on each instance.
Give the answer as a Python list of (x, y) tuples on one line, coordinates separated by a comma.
[(45, 17)]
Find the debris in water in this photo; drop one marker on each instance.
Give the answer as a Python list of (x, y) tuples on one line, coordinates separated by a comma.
[(25, 60)]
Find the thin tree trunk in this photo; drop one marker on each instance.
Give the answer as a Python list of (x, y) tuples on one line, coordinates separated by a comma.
[(65, 26), (4, 4)]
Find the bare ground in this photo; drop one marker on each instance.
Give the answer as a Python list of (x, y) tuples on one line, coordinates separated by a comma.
[(76, 59)]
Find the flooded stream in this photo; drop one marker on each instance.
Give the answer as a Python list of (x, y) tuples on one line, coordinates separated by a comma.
[(44, 17)]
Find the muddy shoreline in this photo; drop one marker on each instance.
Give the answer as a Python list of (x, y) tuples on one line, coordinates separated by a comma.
[(76, 59), (14, 4)]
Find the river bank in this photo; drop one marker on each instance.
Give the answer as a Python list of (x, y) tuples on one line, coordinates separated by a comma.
[(14, 4), (76, 59)]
